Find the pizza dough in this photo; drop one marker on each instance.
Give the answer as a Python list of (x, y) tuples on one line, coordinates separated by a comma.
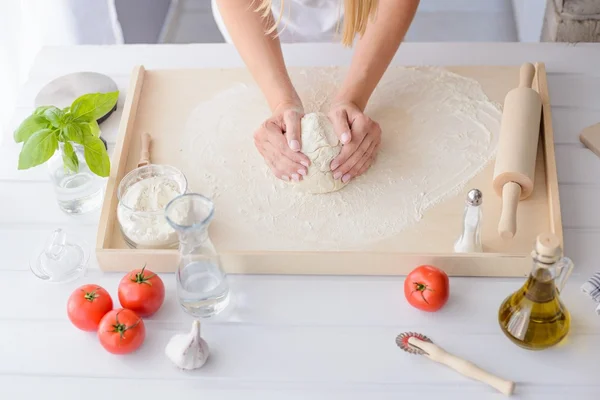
[(321, 145)]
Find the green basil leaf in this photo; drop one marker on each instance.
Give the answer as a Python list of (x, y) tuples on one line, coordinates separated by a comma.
[(70, 158), (54, 116), (40, 110), (29, 126), (94, 129), (67, 118), (96, 156), (91, 107), (73, 132), (38, 148), (89, 128)]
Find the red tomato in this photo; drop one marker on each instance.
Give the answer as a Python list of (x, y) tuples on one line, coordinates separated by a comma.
[(87, 305), (142, 292), (427, 288), (121, 331)]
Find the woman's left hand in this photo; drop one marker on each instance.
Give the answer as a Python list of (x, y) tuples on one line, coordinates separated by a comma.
[(360, 137)]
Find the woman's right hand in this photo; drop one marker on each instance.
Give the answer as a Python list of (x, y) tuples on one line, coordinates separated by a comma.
[(278, 141)]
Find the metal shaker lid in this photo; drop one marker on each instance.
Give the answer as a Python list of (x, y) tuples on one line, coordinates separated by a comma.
[(474, 197)]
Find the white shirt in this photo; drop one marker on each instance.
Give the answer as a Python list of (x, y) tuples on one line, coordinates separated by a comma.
[(302, 20)]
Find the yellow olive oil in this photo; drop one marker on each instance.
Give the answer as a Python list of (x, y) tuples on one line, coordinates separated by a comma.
[(533, 317)]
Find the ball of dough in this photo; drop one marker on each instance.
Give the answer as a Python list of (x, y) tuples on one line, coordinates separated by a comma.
[(321, 146)]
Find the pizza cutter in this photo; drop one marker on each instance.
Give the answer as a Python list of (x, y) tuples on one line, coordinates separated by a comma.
[(416, 343)]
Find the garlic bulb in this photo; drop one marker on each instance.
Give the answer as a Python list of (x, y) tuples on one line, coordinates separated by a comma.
[(188, 351)]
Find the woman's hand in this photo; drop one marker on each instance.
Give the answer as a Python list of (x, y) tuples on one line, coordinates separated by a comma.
[(278, 141), (360, 137)]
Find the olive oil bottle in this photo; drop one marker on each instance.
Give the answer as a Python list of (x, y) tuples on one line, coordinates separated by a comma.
[(533, 317)]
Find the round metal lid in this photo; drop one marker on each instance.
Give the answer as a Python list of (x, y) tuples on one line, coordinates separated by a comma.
[(63, 90)]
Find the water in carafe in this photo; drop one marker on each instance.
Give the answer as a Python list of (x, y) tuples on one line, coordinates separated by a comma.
[(202, 286)]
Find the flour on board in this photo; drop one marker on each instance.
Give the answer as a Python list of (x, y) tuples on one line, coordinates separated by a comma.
[(439, 129)]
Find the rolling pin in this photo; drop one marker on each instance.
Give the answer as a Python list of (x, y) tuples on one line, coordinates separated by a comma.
[(514, 171)]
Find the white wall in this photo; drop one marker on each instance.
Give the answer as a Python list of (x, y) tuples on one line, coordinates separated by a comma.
[(529, 16)]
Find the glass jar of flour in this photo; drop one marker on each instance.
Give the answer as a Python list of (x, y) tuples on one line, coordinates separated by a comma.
[(143, 195)]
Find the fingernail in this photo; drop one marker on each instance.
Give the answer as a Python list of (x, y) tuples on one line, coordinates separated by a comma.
[(294, 145), (285, 178), (345, 137), (305, 163), (296, 177), (334, 165), (346, 178), (302, 171), (337, 175)]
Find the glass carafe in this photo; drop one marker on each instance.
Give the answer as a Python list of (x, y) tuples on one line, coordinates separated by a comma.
[(202, 286), (76, 192), (534, 317)]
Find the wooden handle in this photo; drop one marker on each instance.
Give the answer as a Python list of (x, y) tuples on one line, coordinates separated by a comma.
[(511, 192), (145, 150), (526, 75), (464, 367)]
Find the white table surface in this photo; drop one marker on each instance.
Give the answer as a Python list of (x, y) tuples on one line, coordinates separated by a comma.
[(294, 337)]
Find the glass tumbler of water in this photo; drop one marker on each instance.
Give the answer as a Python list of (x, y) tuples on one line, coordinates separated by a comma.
[(202, 286), (76, 192)]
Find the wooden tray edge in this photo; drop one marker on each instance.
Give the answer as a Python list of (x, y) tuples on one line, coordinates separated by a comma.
[(326, 263), (109, 205), (550, 169)]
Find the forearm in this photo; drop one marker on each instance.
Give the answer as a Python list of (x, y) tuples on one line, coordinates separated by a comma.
[(261, 52), (375, 50)]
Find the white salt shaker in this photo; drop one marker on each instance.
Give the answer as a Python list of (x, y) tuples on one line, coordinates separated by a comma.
[(470, 239)]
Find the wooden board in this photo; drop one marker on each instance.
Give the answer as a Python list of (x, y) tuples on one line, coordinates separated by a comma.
[(159, 101)]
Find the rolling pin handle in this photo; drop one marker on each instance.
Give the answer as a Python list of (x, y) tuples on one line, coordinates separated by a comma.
[(526, 75), (511, 193)]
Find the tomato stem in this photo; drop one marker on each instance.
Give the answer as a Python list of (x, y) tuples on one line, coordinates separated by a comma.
[(90, 296), (421, 288), (140, 278), (122, 328)]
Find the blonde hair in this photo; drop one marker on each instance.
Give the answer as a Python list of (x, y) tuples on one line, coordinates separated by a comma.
[(356, 17)]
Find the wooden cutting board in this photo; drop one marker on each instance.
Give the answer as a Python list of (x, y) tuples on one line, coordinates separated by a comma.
[(158, 101)]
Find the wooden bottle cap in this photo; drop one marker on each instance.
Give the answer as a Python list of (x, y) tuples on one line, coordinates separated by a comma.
[(547, 248)]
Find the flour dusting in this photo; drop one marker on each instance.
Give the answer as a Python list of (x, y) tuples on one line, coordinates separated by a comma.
[(439, 130)]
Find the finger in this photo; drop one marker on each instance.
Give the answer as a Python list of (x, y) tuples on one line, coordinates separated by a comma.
[(345, 171), (368, 162), (271, 154), (341, 126), (369, 158), (291, 121), (347, 151), (360, 130), (359, 145), (278, 141), (286, 168)]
